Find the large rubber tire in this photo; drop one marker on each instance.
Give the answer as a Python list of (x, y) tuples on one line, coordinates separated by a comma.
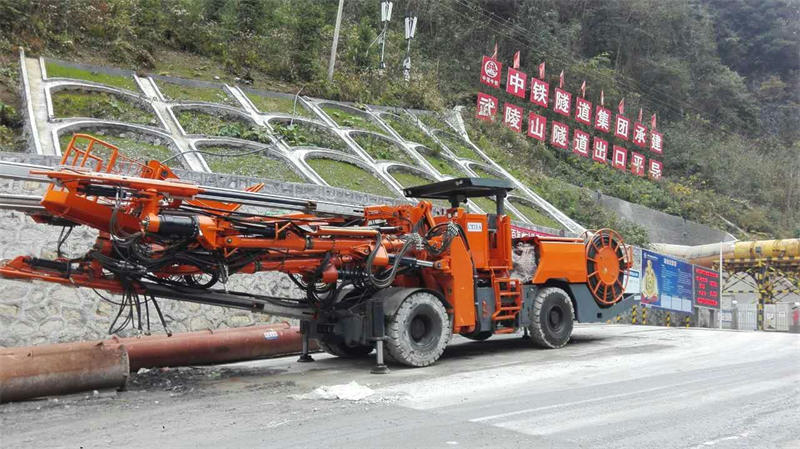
[(340, 349), (552, 318), (480, 336), (418, 332)]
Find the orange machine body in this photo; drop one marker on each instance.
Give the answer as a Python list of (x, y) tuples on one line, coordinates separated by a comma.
[(145, 209)]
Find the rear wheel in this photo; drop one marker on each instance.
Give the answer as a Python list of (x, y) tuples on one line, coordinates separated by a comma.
[(419, 331), (340, 349), (552, 317)]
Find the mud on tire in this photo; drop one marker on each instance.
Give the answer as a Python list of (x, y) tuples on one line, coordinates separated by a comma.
[(418, 332), (551, 318)]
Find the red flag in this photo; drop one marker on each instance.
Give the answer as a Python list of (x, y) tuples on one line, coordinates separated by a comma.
[(583, 89), (494, 55), (640, 116), (561, 80), (541, 71), (516, 60), (621, 107), (602, 98), (653, 122)]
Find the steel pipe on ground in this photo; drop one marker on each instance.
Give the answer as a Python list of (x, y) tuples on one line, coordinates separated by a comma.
[(30, 372), (212, 346)]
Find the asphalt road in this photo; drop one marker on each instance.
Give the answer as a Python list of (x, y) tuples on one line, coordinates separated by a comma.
[(613, 386)]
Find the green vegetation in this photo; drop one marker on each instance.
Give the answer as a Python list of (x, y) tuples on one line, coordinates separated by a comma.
[(535, 215), (198, 122), (409, 130), (407, 179), (442, 164), (56, 70), (278, 104), (484, 173), (349, 176), (433, 121), (458, 146), (348, 120), (67, 103), (130, 148), (10, 129), (180, 92), (258, 164), (381, 149), (302, 134)]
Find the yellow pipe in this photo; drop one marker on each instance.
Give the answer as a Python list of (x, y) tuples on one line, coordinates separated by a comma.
[(706, 255)]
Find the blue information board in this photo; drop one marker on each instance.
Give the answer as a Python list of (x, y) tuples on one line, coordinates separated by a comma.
[(667, 282)]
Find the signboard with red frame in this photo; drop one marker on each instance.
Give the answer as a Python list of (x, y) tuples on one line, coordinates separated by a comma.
[(491, 70)]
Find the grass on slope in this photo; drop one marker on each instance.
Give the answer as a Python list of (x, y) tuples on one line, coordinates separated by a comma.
[(348, 120), (458, 146), (179, 92), (349, 176), (409, 130), (198, 122), (535, 216), (100, 105), (278, 104), (55, 70), (260, 165), (407, 179), (440, 163), (382, 149), (303, 134)]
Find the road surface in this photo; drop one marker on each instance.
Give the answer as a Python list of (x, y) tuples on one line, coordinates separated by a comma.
[(613, 386)]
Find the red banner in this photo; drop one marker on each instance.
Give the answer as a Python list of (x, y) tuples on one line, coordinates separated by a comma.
[(656, 167), (622, 127), (563, 102), (580, 143), (599, 150), (656, 142), (536, 126), (512, 117), (540, 92), (602, 119), (639, 135), (515, 82), (620, 159), (487, 107), (583, 111), (559, 135), (490, 72), (637, 163)]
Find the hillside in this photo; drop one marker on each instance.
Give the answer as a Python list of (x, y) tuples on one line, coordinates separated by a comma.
[(723, 77)]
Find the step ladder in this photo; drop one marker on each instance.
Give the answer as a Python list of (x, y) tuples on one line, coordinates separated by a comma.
[(508, 299)]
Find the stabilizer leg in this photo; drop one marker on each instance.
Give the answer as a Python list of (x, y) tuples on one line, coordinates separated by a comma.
[(305, 357)]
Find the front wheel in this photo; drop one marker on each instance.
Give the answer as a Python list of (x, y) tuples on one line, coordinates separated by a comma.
[(419, 331), (551, 318)]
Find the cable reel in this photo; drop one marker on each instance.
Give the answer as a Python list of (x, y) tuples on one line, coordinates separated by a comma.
[(608, 260)]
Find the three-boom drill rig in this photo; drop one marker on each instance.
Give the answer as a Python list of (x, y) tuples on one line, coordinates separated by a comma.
[(399, 278)]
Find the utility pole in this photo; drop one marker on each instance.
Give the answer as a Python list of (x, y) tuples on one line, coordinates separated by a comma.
[(411, 28), (335, 40), (386, 16)]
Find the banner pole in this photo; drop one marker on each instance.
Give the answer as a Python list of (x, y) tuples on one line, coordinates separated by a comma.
[(720, 284)]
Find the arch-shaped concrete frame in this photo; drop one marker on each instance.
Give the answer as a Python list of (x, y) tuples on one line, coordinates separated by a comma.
[(247, 145), (122, 94), (314, 153)]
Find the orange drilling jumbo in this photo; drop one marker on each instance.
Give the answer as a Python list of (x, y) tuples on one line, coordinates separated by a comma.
[(401, 279)]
